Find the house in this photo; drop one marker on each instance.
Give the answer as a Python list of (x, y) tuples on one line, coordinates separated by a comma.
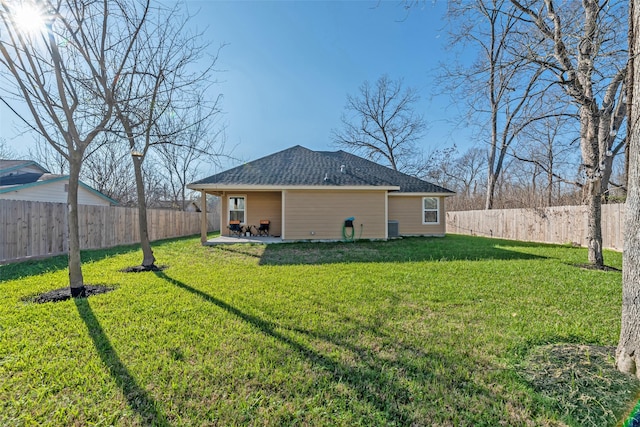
[(27, 180), (309, 195), (175, 205)]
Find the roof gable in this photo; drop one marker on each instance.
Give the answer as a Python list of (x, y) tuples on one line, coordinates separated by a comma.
[(299, 166), (11, 167), (46, 179)]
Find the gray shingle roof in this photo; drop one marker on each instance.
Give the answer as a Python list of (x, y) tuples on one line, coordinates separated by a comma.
[(301, 166)]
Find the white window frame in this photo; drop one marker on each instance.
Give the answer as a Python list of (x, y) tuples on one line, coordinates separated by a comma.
[(229, 205), (436, 210)]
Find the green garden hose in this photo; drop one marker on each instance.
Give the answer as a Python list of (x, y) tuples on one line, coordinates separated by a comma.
[(348, 237), (634, 418)]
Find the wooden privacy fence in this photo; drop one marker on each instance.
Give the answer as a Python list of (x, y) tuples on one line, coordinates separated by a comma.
[(558, 224), (35, 229)]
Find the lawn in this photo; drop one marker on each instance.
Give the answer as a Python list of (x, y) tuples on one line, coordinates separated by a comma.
[(454, 331)]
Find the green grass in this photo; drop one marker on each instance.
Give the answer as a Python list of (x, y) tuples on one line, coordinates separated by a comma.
[(447, 331)]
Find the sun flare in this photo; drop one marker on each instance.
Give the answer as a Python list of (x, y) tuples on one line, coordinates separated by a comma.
[(28, 18)]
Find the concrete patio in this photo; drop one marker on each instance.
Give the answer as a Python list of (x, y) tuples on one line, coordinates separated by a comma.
[(232, 240)]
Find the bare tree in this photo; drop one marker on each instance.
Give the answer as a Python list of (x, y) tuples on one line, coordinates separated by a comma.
[(628, 351), (469, 167), (47, 156), (107, 168), (501, 87), (381, 123), (181, 160), (462, 173), (67, 75), (548, 147), (5, 152), (155, 100), (109, 171), (582, 45), (459, 172)]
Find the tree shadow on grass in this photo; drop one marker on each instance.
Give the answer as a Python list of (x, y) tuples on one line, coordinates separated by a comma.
[(20, 269), (34, 267), (370, 379), (137, 398), (410, 249), (242, 250)]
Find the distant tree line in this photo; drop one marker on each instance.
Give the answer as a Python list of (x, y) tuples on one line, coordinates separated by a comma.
[(545, 95)]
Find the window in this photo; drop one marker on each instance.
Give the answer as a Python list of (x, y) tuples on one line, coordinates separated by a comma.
[(430, 210), (236, 209)]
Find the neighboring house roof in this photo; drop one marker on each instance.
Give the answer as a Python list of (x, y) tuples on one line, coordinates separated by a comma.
[(19, 171), (175, 204), (9, 165), (23, 178), (16, 175), (299, 166)]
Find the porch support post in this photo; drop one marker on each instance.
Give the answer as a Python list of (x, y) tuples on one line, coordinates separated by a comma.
[(203, 217), (386, 215), (283, 201)]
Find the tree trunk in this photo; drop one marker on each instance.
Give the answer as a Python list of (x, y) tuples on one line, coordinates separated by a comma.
[(76, 281), (628, 351), (148, 259), (589, 145), (491, 189), (594, 225)]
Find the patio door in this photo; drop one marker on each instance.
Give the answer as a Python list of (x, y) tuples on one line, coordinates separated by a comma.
[(237, 209)]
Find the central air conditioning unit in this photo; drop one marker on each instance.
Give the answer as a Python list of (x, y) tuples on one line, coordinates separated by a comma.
[(393, 229)]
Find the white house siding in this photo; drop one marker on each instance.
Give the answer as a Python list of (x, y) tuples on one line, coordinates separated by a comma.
[(54, 192)]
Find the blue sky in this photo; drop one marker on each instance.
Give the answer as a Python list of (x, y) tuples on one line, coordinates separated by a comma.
[(289, 65)]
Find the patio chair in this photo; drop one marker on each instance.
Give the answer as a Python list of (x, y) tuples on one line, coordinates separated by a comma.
[(235, 228), (263, 230)]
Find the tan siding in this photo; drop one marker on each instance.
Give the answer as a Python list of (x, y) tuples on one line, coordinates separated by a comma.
[(407, 210), (320, 215), (265, 205), (258, 206)]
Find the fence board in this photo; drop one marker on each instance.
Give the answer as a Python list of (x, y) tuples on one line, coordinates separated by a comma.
[(558, 224), (35, 229)]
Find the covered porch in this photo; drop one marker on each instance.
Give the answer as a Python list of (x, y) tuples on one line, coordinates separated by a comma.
[(256, 214)]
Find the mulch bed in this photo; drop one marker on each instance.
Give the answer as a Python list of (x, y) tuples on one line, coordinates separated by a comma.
[(142, 268), (582, 380), (595, 267), (64, 294)]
